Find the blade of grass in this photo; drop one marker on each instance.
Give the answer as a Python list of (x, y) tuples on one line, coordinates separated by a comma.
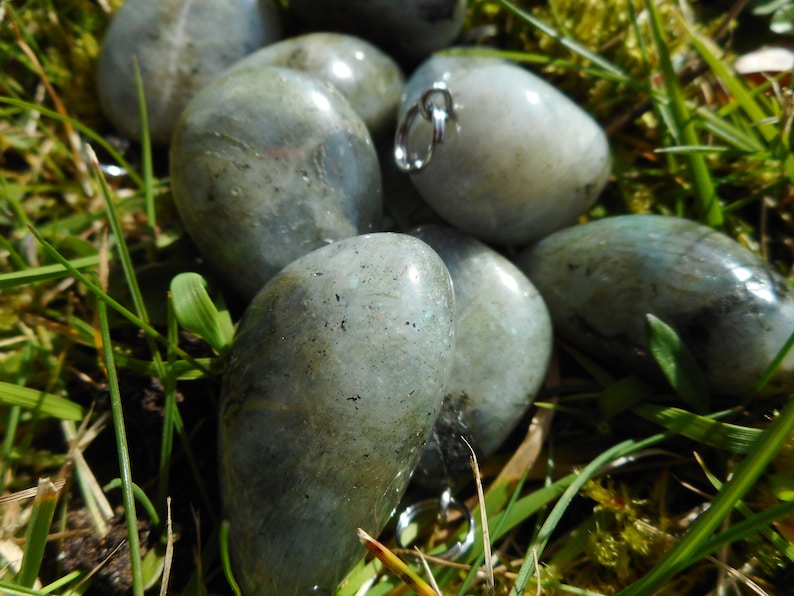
[(226, 563), (706, 197), (566, 42), (776, 539), (12, 422), (140, 495), (396, 565), (44, 273), (169, 409), (45, 404), (125, 470), (730, 437), (37, 531), (146, 152), (690, 547)]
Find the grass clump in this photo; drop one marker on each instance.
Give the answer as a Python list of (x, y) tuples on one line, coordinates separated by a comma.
[(110, 353)]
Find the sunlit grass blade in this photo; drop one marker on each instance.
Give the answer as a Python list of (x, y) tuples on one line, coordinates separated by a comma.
[(780, 543), (730, 437), (566, 42), (705, 194), (37, 531), (690, 547), (123, 454), (197, 312), (44, 273), (46, 404), (396, 565)]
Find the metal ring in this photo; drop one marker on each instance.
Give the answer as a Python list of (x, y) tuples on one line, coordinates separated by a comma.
[(443, 506), (433, 113)]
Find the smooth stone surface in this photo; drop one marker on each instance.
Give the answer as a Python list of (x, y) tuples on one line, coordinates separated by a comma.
[(729, 308), (503, 343), (180, 45), (408, 29), (441, 68), (369, 79), (520, 160), (335, 378), (267, 165)]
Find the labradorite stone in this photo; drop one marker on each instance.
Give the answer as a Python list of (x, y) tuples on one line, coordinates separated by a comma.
[(369, 79), (502, 351), (180, 46), (519, 160), (268, 164), (730, 309), (335, 378)]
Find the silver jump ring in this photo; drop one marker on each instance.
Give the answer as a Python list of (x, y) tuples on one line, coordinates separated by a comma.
[(443, 506), (433, 113)]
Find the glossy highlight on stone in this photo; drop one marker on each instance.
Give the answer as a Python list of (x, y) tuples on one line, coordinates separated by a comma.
[(334, 381), (180, 46), (502, 352), (267, 165), (730, 309), (369, 79), (519, 159)]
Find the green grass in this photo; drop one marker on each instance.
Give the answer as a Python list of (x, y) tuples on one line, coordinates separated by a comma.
[(100, 310)]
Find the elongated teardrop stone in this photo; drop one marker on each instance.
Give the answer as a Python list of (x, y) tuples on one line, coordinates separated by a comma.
[(335, 379)]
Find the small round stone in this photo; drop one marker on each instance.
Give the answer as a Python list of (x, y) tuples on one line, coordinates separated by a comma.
[(180, 47), (267, 165), (503, 343), (335, 378), (369, 79), (519, 159)]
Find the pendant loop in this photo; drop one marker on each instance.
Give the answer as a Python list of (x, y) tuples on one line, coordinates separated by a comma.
[(444, 505), (437, 115)]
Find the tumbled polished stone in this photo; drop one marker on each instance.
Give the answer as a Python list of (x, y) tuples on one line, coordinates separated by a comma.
[(335, 378), (519, 159), (268, 164), (180, 46), (369, 79), (732, 311), (503, 343)]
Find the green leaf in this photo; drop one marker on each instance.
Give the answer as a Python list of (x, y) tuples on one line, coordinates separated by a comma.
[(677, 363), (730, 437), (197, 313), (46, 404)]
